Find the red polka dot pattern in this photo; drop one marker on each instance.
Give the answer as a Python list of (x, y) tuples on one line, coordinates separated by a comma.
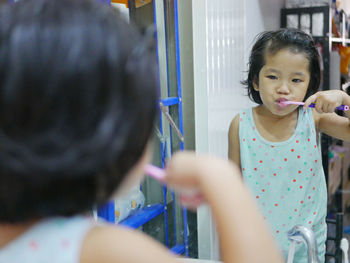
[(286, 177)]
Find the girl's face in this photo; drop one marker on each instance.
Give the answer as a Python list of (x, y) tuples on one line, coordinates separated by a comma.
[(285, 76)]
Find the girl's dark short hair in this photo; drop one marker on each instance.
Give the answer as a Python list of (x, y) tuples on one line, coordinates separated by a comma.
[(273, 41), (78, 94)]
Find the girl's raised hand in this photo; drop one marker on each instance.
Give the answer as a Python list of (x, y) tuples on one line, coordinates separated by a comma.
[(326, 101), (190, 174)]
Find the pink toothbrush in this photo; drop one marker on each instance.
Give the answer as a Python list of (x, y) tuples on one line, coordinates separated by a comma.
[(312, 105), (155, 172), (187, 197)]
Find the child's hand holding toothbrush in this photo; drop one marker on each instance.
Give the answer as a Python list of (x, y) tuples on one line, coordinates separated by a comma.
[(327, 101), (191, 175)]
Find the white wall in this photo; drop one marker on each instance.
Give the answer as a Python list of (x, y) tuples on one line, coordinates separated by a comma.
[(218, 47), (345, 4), (261, 15)]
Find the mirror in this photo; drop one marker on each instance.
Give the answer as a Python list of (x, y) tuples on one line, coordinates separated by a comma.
[(203, 48)]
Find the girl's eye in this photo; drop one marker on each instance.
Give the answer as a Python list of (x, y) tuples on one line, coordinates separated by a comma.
[(271, 77), (297, 80)]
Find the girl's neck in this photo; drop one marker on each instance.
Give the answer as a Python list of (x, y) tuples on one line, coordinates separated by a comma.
[(264, 113), (9, 232), (272, 127)]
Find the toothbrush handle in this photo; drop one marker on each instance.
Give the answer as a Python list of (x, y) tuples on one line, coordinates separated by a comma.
[(341, 107)]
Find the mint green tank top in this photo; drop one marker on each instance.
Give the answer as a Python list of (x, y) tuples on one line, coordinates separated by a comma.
[(287, 180), (53, 240)]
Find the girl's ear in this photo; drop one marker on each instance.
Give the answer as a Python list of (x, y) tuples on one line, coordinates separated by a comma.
[(255, 85)]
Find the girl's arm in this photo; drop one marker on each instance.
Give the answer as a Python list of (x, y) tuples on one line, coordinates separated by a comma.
[(233, 142), (325, 118)]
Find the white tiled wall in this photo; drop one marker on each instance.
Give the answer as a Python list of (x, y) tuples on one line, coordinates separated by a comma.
[(218, 36), (218, 43), (225, 66)]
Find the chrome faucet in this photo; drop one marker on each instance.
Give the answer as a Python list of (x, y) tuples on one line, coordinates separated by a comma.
[(303, 234)]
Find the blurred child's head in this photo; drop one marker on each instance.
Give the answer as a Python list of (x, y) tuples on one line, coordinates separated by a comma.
[(268, 44), (78, 95)]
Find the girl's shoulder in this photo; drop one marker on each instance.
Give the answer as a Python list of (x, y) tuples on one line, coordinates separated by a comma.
[(242, 116), (117, 244)]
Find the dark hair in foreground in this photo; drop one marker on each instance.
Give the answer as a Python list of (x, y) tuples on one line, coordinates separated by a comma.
[(270, 42), (78, 93)]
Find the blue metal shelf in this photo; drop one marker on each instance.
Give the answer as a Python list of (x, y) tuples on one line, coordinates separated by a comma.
[(170, 101), (179, 249), (107, 212), (143, 215)]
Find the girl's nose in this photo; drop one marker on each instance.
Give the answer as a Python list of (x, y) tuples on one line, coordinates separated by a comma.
[(283, 89)]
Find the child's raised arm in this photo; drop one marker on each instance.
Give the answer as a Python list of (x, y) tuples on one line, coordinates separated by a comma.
[(243, 235), (325, 118)]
